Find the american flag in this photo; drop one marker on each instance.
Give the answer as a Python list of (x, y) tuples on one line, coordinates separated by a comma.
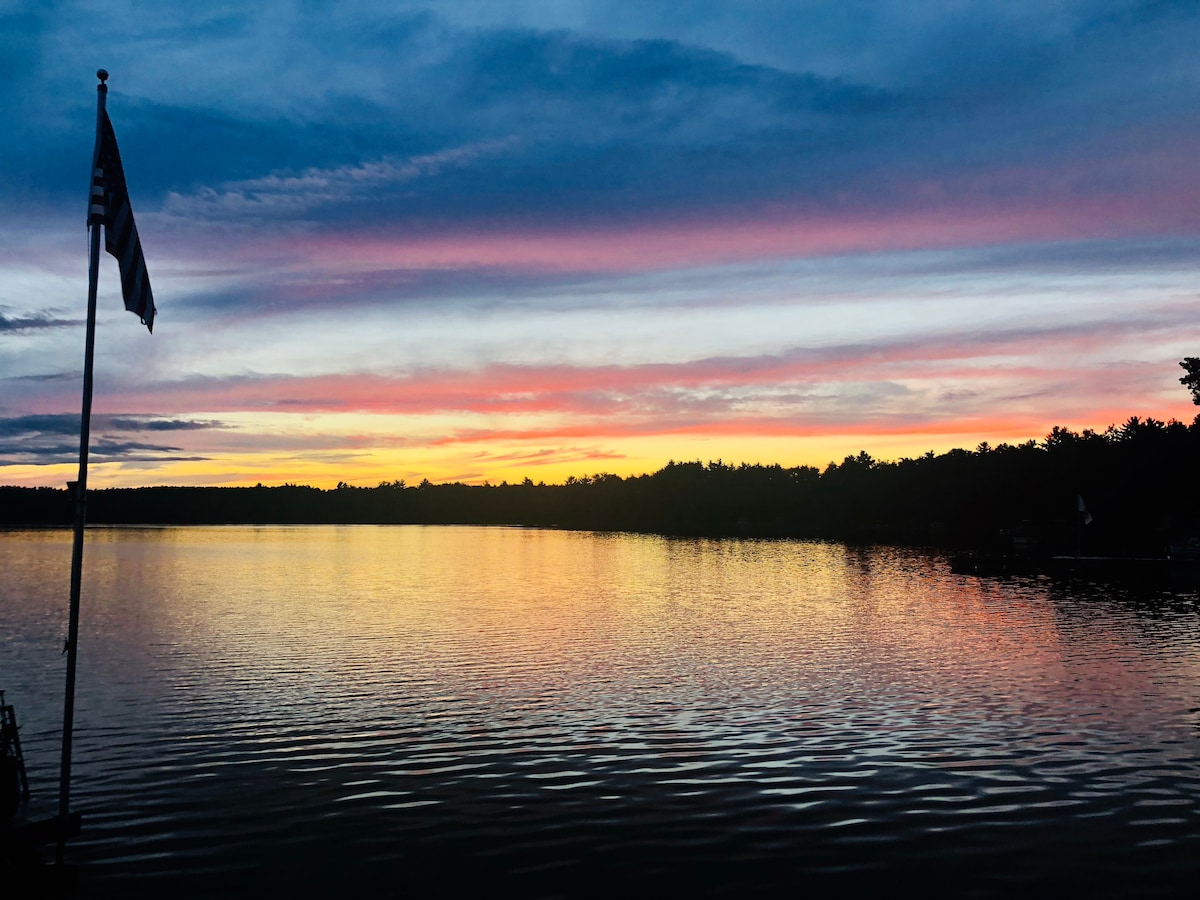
[(110, 208)]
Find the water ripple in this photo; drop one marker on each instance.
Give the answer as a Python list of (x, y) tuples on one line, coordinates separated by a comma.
[(573, 714)]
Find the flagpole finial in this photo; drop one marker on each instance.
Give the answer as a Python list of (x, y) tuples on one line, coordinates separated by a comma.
[(102, 74)]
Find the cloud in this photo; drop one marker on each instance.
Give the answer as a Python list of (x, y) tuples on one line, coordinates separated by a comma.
[(38, 425), (878, 213), (19, 454), (104, 448), (863, 377), (48, 377), (545, 456), (293, 197), (37, 439), (153, 424), (439, 123), (36, 322), (69, 424)]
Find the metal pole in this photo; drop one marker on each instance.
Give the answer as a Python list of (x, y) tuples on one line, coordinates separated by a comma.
[(80, 489)]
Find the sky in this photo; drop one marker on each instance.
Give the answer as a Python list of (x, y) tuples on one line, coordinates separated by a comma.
[(488, 241)]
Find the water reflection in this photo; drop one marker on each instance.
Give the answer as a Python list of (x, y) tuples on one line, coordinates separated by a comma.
[(259, 706)]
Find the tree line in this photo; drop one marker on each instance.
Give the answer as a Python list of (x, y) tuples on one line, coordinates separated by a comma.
[(1138, 482)]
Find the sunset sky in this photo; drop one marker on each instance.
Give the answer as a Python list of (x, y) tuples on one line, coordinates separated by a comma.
[(481, 240)]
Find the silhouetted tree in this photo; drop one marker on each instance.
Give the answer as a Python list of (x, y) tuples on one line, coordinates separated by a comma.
[(1140, 481), (1191, 380)]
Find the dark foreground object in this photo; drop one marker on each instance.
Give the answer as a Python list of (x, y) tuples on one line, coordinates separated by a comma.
[(930, 866), (23, 847)]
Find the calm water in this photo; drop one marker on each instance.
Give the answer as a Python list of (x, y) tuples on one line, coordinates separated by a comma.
[(415, 710)]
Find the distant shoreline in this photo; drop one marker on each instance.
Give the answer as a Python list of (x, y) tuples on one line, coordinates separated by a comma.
[(1128, 491)]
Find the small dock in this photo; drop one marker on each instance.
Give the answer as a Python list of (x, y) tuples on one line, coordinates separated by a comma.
[(22, 839)]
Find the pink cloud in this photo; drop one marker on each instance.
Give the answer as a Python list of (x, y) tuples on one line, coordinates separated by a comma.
[(656, 387), (611, 401), (1150, 191)]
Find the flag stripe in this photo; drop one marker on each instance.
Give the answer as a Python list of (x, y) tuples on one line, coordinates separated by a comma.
[(96, 215), (110, 206)]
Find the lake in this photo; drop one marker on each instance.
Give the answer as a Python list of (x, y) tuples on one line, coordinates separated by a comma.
[(434, 710)]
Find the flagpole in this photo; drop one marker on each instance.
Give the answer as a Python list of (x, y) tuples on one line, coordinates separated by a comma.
[(80, 486)]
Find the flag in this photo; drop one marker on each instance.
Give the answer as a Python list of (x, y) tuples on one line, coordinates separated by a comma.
[(1083, 511), (110, 208)]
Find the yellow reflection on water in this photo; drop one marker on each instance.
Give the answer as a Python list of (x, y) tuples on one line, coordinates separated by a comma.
[(381, 618)]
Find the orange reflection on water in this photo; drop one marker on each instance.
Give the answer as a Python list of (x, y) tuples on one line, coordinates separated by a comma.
[(392, 623)]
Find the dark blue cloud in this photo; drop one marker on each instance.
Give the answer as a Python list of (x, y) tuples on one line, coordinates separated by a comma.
[(35, 322), (117, 423), (395, 288), (101, 451), (24, 32), (67, 423), (558, 125), (105, 447), (45, 439), (39, 425), (659, 85), (24, 454), (659, 120)]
